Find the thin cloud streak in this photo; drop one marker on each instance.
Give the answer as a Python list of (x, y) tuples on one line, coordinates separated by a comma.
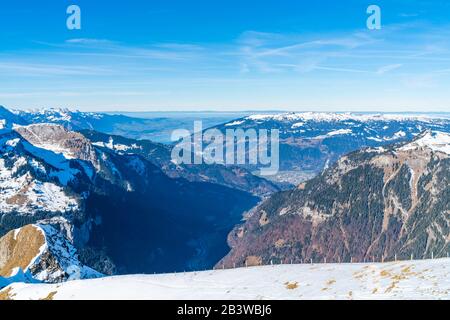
[(19, 68)]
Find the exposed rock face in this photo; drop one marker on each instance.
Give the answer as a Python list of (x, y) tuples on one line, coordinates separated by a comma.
[(19, 248), (373, 204), (72, 145), (42, 251)]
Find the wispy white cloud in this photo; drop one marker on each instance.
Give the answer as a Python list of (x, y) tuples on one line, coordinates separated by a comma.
[(360, 51), (24, 68), (158, 51), (90, 41), (269, 52), (388, 68)]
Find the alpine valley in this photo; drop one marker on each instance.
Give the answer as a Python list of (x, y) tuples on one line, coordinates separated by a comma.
[(86, 195)]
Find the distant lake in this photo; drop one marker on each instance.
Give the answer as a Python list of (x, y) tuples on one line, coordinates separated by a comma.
[(162, 124)]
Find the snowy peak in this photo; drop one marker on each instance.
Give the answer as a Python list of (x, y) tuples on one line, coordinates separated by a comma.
[(335, 117), (434, 140), (73, 120), (51, 114), (43, 252), (55, 115), (8, 119)]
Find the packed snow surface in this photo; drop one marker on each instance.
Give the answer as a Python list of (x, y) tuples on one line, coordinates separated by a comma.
[(436, 141), (422, 279)]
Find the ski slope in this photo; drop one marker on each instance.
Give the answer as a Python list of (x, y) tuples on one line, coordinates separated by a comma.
[(424, 279)]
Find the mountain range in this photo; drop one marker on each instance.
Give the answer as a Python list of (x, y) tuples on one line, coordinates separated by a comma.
[(117, 124), (311, 141), (98, 126)]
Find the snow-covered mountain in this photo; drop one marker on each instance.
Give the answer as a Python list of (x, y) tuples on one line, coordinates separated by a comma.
[(426, 279), (310, 141), (8, 119), (78, 120), (32, 179), (41, 252), (125, 213), (155, 129), (436, 141)]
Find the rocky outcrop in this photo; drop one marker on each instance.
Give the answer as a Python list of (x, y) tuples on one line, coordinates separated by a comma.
[(72, 145), (42, 252)]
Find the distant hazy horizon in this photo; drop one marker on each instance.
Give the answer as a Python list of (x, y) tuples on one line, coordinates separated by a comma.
[(149, 113)]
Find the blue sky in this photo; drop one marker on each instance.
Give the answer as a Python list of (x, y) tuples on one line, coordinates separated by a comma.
[(226, 55)]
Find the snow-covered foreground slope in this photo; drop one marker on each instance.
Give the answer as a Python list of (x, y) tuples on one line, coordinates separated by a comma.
[(425, 279)]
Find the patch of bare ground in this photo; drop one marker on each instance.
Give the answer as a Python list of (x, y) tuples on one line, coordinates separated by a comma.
[(264, 219), (20, 198), (6, 295), (50, 296), (291, 285), (279, 243), (252, 261)]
